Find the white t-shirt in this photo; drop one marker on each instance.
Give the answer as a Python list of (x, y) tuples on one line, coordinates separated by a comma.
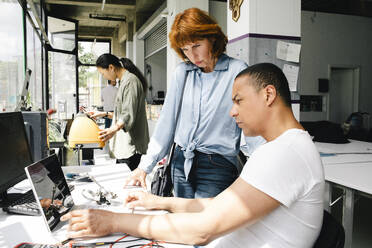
[(108, 95), (288, 169)]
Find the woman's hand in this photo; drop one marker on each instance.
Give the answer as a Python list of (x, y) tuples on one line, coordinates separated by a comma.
[(136, 178), (107, 133), (96, 114), (89, 223), (141, 199)]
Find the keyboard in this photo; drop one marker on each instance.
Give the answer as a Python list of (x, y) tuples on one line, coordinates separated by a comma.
[(25, 204)]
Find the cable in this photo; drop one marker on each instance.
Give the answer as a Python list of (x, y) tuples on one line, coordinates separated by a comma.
[(111, 243), (151, 244), (116, 241)]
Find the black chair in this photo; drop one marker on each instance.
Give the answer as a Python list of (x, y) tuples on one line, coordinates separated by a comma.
[(332, 234)]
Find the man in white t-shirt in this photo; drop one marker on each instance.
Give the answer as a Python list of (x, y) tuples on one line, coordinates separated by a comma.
[(108, 95), (276, 202)]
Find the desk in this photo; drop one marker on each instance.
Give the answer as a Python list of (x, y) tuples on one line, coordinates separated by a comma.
[(15, 229), (352, 172)]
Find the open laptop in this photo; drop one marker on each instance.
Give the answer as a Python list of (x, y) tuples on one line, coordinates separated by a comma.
[(50, 189)]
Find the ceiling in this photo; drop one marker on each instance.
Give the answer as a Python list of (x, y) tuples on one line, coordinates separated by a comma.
[(346, 7), (138, 11)]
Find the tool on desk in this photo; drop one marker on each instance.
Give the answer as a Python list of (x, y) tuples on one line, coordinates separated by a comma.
[(101, 196), (97, 197), (104, 191)]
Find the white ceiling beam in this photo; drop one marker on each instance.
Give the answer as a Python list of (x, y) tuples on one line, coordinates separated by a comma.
[(91, 4)]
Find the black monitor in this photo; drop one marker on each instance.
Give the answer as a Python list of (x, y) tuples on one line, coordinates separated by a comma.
[(15, 152)]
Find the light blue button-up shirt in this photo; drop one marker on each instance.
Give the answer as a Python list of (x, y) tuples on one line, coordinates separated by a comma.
[(204, 123)]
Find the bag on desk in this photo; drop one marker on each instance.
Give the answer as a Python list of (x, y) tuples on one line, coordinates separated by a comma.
[(161, 184)]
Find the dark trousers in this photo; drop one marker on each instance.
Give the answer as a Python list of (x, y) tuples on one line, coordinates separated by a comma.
[(108, 122), (132, 161)]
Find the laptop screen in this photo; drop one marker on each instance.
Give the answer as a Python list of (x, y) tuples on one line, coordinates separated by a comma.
[(50, 189)]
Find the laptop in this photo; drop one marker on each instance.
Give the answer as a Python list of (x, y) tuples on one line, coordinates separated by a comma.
[(50, 189)]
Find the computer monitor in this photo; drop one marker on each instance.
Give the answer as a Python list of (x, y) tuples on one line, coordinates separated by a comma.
[(36, 124), (15, 152)]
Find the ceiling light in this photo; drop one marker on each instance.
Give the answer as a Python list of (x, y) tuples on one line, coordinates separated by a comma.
[(108, 17)]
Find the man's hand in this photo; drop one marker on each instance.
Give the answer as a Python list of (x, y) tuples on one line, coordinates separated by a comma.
[(136, 178), (141, 199), (89, 223)]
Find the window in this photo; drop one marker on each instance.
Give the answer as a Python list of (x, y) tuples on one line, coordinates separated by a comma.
[(34, 63), (62, 83), (90, 81), (11, 54), (61, 33)]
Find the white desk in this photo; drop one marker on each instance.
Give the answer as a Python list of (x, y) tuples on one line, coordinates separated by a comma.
[(352, 172), (15, 229)]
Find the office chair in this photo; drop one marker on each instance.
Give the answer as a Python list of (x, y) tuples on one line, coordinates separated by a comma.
[(332, 234)]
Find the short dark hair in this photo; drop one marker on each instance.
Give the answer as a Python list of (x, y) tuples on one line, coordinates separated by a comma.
[(265, 74)]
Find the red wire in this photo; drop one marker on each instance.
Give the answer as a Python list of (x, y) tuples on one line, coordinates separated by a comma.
[(152, 243), (126, 235)]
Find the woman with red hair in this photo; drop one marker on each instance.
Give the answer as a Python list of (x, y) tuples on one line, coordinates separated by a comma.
[(207, 138)]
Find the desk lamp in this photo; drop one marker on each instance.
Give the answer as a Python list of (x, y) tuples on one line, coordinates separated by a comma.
[(84, 134)]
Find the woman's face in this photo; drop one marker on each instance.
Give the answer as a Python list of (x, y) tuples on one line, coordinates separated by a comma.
[(108, 73), (199, 53)]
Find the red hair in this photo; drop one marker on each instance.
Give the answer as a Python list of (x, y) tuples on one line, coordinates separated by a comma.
[(194, 24)]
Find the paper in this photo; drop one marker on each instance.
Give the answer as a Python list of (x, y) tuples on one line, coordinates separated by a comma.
[(291, 73), (296, 110), (288, 51)]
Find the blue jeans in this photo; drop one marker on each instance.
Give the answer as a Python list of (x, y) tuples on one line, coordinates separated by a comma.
[(210, 175)]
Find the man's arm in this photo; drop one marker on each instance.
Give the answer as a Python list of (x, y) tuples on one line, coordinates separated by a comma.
[(171, 204), (238, 205)]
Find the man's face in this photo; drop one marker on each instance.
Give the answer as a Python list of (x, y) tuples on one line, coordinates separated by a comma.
[(247, 106)]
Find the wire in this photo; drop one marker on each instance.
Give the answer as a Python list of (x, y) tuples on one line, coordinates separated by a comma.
[(111, 243), (151, 244), (116, 241)]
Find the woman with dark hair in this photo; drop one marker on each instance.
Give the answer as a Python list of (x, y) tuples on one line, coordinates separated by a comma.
[(128, 135), (207, 138)]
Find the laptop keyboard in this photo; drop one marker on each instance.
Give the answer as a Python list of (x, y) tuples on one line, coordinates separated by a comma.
[(26, 205)]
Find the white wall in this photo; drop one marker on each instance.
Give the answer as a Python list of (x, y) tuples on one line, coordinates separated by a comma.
[(129, 49), (338, 40), (158, 65), (266, 17), (218, 10), (139, 53)]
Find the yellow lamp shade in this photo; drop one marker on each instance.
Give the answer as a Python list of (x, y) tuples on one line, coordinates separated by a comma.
[(84, 131)]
